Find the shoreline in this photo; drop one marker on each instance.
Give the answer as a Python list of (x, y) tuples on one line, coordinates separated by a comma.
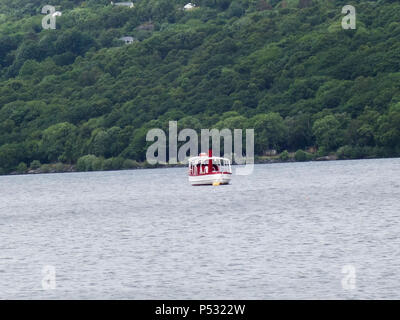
[(69, 168)]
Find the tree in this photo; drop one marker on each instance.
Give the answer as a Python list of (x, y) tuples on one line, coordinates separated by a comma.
[(270, 132), (89, 163), (137, 147), (327, 132), (389, 128), (74, 41), (59, 141), (10, 155), (299, 131), (300, 155), (305, 3), (22, 167), (100, 143)]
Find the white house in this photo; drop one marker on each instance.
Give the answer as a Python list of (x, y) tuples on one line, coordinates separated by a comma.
[(128, 40), (123, 4), (189, 6)]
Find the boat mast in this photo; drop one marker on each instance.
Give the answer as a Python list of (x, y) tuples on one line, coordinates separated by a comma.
[(210, 161)]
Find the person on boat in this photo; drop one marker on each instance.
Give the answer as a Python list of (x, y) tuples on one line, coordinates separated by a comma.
[(200, 168)]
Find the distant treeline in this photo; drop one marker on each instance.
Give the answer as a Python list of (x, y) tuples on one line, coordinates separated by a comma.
[(285, 68)]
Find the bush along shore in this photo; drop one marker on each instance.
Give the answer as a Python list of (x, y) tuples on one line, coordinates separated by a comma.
[(85, 164), (93, 163)]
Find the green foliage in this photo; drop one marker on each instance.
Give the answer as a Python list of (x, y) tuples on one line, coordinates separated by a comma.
[(270, 131), (114, 163), (45, 168), (59, 167), (35, 164), (344, 152), (327, 132), (130, 164), (58, 142), (284, 156), (22, 167), (322, 152), (284, 68), (301, 155), (89, 163), (388, 133)]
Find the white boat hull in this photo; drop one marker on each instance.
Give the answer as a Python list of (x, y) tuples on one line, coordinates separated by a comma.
[(209, 179)]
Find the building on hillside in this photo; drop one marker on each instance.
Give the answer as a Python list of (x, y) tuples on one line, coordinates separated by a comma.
[(312, 149), (189, 6), (128, 40), (123, 4), (270, 153)]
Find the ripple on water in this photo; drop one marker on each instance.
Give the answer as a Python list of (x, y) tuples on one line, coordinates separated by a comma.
[(285, 232)]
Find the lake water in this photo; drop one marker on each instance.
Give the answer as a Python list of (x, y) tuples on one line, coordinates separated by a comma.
[(286, 231)]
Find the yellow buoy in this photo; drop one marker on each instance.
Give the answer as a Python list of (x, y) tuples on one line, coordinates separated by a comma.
[(216, 183)]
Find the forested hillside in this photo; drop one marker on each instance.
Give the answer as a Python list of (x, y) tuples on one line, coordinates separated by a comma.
[(285, 68)]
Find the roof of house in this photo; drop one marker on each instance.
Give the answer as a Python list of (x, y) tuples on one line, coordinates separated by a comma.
[(126, 4), (189, 5)]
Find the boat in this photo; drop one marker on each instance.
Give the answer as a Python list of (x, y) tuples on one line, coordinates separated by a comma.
[(208, 170)]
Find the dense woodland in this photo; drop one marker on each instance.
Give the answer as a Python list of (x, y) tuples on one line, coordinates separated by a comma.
[(77, 94)]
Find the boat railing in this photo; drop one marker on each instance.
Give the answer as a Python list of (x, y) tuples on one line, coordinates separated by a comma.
[(199, 165)]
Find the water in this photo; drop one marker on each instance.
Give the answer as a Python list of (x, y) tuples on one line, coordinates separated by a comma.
[(284, 232)]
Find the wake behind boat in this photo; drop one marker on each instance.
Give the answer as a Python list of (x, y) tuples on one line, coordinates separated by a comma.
[(209, 170)]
